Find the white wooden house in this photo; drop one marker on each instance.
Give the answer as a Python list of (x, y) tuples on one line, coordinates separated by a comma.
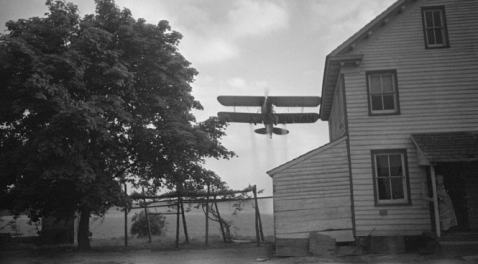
[(401, 100)]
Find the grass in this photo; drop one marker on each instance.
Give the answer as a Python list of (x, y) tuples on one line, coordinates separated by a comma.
[(109, 231)]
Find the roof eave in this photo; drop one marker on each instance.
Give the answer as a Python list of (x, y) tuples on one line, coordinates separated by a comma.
[(305, 156), (331, 75)]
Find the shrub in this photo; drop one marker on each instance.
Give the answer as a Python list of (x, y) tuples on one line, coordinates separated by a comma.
[(157, 223)]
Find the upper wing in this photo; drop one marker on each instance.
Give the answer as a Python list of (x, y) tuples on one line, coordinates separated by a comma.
[(297, 118), (295, 101), (241, 100), (240, 117)]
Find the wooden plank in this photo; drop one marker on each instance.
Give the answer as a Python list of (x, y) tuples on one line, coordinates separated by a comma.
[(314, 225), (333, 174), (313, 169), (324, 188), (315, 179), (345, 235), (385, 221), (331, 194), (302, 204), (318, 213), (416, 231)]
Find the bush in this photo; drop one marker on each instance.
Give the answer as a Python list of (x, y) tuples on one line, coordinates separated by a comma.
[(157, 223)]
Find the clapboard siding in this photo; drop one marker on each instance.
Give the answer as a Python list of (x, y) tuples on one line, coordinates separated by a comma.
[(313, 194), (292, 205), (340, 235), (438, 92)]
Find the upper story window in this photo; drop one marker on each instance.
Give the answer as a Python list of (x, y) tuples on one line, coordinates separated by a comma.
[(383, 92), (434, 27), (390, 171)]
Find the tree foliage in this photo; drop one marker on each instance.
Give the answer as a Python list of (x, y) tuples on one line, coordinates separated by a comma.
[(89, 103)]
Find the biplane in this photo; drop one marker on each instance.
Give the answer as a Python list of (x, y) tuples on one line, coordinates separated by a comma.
[(266, 113)]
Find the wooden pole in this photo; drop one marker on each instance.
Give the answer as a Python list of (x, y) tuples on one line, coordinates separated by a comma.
[(258, 242), (184, 221), (177, 223), (260, 223), (207, 213), (435, 201), (146, 215), (126, 218)]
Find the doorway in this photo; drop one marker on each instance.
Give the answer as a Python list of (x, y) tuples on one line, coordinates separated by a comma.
[(461, 183)]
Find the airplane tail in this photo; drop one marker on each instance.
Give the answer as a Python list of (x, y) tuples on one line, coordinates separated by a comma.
[(275, 130), (280, 131), (261, 131)]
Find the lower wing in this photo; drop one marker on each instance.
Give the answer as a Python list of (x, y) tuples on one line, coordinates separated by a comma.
[(297, 118), (240, 117)]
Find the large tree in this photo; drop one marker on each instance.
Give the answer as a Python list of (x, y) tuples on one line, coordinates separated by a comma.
[(88, 103)]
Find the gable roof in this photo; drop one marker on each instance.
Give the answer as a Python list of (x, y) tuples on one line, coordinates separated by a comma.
[(338, 57), (306, 156)]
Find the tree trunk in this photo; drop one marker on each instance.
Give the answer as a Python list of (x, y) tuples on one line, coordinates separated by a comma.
[(84, 230), (220, 221)]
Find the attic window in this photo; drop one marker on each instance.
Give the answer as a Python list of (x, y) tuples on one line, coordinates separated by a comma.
[(434, 27)]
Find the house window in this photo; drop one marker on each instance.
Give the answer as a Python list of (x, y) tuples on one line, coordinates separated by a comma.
[(434, 27), (390, 173), (382, 92)]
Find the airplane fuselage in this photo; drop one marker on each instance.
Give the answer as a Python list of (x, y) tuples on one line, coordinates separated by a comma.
[(269, 120)]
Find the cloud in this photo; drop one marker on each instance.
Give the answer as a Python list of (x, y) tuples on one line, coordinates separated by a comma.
[(254, 18), (336, 20), (201, 50), (211, 29), (350, 16), (237, 82)]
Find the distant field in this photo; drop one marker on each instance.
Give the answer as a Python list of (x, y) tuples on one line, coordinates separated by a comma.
[(112, 225), (110, 229)]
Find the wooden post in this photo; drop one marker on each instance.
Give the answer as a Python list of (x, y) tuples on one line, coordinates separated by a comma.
[(260, 224), (207, 213), (258, 242), (184, 221), (177, 223), (146, 215), (435, 200), (126, 218), (261, 232)]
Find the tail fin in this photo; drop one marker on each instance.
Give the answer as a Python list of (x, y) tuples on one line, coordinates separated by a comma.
[(261, 131), (280, 131)]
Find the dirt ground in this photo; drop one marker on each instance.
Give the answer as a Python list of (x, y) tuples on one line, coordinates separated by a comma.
[(200, 254)]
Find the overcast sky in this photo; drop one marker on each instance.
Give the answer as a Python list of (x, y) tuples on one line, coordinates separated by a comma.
[(245, 47)]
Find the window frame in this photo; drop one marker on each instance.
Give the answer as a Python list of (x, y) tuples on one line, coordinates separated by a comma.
[(406, 184), (396, 110), (444, 28)]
